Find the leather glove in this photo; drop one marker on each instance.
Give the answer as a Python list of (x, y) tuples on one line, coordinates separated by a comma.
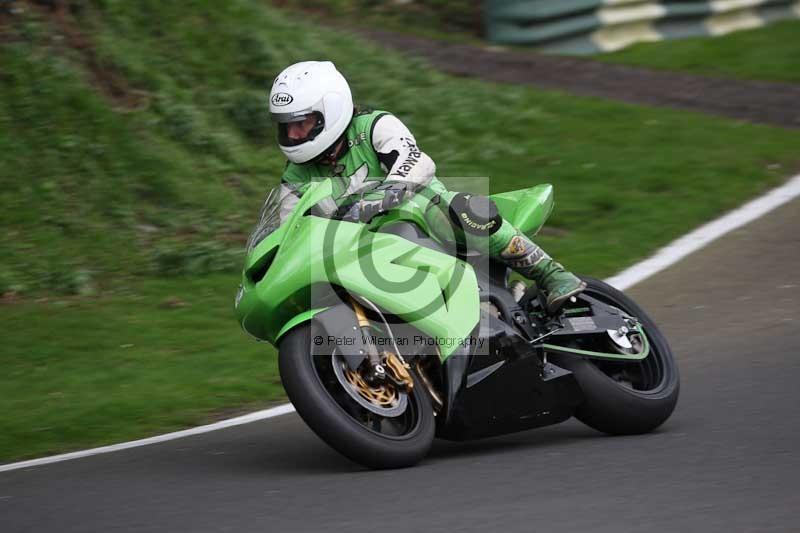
[(350, 213), (365, 210)]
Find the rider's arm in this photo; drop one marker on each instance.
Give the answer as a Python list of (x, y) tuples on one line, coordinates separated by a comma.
[(289, 200), (295, 182), (408, 169), (400, 156)]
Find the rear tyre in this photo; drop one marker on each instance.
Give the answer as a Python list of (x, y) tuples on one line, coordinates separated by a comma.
[(359, 434), (625, 398)]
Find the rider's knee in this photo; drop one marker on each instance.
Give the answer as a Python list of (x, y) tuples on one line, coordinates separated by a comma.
[(475, 214)]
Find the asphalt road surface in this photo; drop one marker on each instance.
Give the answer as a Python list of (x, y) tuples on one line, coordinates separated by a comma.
[(726, 461)]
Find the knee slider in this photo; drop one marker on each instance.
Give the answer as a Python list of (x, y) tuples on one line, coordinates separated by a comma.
[(475, 214)]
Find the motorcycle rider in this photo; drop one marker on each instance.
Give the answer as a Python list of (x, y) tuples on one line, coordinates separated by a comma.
[(376, 164)]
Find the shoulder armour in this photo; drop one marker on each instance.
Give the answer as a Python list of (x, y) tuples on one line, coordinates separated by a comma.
[(360, 110)]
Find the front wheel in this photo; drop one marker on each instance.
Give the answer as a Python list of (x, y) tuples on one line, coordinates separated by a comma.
[(625, 397), (376, 427)]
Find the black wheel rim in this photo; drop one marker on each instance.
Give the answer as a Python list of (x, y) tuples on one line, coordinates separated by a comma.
[(399, 427), (647, 376)]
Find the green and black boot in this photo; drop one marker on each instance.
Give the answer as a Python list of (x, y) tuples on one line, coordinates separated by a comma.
[(525, 257)]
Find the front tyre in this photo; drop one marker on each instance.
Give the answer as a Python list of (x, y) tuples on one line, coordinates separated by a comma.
[(625, 398), (376, 438)]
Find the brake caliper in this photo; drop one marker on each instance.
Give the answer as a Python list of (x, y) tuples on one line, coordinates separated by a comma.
[(399, 371)]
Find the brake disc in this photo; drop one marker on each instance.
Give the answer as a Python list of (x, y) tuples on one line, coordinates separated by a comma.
[(383, 400), (621, 339)]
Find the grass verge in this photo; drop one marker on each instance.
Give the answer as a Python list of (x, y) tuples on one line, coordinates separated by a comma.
[(160, 356), (770, 53)]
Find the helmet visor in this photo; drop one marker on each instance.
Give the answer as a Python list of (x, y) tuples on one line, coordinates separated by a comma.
[(299, 127)]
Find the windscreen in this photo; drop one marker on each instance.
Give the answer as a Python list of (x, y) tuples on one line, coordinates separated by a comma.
[(277, 205)]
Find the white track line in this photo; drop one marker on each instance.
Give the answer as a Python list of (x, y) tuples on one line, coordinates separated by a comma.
[(663, 258), (238, 421)]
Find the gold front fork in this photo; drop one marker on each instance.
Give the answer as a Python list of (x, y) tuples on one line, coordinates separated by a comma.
[(395, 364)]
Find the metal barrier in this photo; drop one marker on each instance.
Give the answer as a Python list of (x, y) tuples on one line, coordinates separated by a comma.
[(591, 26)]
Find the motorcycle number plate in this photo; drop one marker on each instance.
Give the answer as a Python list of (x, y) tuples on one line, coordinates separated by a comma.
[(582, 323)]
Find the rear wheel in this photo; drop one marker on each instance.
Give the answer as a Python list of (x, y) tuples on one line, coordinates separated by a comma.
[(378, 427), (624, 397)]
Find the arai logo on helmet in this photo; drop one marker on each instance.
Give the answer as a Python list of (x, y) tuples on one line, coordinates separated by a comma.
[(281, 99)]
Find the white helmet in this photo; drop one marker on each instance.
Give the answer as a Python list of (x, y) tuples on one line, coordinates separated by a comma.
[(310, 88)]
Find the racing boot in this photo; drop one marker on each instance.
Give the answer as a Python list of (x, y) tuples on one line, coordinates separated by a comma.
[(525, 257)]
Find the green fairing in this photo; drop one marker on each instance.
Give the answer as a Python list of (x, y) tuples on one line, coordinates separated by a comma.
[(299, 319), (408, 211), (526, 209), (432, 291)]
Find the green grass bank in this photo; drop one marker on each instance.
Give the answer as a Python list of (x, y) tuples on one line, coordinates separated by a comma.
[(770, 53)]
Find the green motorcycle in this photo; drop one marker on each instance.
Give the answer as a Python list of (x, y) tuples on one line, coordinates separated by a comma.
[(388, 337)]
